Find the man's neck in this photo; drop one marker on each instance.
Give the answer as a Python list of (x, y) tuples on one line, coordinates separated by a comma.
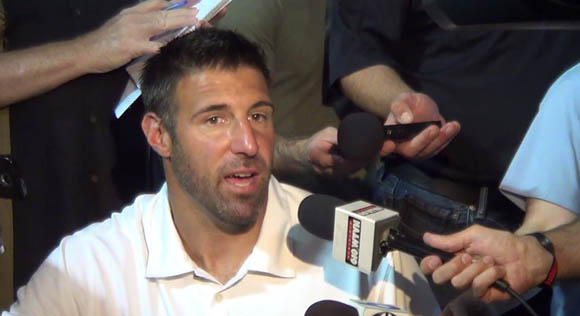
[(219, 253)]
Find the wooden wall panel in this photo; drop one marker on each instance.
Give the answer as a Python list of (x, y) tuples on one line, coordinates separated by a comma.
[(6, 259)]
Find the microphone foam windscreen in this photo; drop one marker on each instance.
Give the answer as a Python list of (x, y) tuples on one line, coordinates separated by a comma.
[(360, 136), (316, 214), (330, 308)]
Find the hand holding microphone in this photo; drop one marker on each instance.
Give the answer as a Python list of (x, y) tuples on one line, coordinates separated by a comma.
[(361, 135), (413, 130), (362, 233)]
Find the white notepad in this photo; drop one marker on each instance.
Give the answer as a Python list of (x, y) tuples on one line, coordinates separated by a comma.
[(207, 9)]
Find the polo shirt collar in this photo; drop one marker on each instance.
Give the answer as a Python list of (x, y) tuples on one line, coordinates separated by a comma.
[(272, 253), (167, 256)]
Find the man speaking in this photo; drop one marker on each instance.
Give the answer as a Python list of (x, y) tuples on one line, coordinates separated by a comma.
[(222, 236)]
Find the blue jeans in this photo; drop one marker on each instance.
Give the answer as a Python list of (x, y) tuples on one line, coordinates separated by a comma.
[(424, 211)]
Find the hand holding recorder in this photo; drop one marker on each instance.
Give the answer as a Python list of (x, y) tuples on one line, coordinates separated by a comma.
[(414, 108), (414, 129)]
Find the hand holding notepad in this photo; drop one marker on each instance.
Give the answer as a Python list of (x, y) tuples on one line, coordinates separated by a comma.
[(207, 9)]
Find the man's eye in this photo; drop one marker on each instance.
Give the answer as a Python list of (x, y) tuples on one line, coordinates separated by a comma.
[(214, 120), (259, 117)]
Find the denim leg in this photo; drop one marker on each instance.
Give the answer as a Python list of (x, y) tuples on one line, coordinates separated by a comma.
[(492, 222), (420, 210)]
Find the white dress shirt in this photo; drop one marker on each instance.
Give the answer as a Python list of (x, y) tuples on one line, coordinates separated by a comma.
[(135, 264)]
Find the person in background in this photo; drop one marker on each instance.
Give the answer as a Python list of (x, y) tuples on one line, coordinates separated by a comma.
[(524, 261), (390, 58), (61, 78), (543, 179), (405, 68), (292, 35)]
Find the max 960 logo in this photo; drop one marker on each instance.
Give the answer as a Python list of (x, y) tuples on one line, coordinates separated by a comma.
[(353, 241)]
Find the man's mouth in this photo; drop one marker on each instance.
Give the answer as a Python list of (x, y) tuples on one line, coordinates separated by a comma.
[(241, 179)]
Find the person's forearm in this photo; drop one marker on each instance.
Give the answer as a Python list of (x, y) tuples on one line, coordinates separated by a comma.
[(30, 72), (542, 216), (566, 240), (290, 156), (374, 88), (562, 228)]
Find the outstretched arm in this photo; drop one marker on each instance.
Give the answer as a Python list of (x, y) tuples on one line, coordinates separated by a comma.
[(33, 71), (488, 255), (315, 154)]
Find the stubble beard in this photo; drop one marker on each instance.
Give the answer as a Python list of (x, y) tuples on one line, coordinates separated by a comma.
[(231, 213)]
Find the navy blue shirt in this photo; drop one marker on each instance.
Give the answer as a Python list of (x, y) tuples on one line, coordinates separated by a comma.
[(490, 81)]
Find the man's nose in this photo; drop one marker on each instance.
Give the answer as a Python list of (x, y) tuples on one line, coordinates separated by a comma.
[(243, 139)]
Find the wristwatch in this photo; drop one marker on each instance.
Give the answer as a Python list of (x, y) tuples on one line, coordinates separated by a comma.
[(547, 244)]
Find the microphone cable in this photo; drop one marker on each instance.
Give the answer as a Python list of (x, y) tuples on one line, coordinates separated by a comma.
[(502, 285)]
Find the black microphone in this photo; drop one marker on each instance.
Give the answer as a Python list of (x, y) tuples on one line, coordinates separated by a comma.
[(362, 233), (363, 308), (330, 308), (316, 214), (361, 135)]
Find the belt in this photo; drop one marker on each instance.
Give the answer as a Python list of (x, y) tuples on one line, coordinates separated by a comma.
[(479, 199), (465, 193)]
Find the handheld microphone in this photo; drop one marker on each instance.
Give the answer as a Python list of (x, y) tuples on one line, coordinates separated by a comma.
[(362, 233), (333, 308), (330, 308), (361, 135)]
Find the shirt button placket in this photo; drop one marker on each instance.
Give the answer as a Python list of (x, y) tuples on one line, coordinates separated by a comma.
[(219, 307)]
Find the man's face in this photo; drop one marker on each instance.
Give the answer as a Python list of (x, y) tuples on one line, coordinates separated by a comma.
[(223, 146)]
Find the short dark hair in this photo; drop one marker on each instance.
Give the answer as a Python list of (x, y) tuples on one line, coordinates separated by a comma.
[(205, 48)]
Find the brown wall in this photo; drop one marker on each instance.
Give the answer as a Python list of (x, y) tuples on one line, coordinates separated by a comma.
[(6, 259)]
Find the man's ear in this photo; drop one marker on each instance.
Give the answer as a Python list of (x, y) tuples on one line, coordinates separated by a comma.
[(156, 134)]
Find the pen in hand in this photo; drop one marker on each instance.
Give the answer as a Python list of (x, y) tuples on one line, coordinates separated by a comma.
[(162, 36), (176, 5)]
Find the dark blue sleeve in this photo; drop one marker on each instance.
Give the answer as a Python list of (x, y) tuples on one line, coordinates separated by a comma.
[(362, 33)]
